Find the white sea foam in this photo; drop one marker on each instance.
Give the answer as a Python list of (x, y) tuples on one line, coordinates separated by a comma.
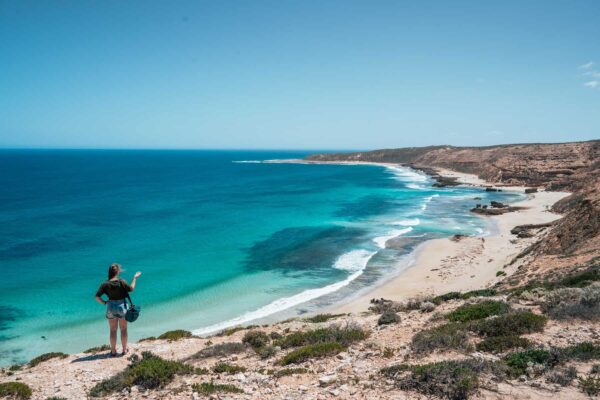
[(407, 174), (354, 261), (415, 186), (413, 179), (407, 222), (382, 240), (426, 201), (248, 162)]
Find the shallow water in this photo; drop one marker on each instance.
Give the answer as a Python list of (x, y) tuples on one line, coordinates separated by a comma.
[(219, 241)]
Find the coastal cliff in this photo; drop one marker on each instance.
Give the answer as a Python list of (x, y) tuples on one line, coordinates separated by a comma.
[(510, 315), (572, 167)]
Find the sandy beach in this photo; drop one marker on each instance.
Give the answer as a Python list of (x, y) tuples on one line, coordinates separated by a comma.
[(445, 265)]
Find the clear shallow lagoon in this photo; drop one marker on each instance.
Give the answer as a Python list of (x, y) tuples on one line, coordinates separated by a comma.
[(219, 241)]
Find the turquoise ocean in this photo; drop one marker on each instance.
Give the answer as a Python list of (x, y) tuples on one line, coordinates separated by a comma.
[(221, 238)]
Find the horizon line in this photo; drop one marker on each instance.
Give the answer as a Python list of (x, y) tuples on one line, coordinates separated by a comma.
[(328, 149)]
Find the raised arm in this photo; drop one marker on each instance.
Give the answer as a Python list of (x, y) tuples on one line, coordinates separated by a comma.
[(134, 280)]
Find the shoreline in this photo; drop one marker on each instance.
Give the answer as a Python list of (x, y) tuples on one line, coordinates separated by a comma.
[(445, 265)]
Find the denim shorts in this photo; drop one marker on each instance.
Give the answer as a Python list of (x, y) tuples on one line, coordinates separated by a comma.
[(116, 309)]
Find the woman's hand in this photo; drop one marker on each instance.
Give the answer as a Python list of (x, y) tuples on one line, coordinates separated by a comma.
[(137, 274)]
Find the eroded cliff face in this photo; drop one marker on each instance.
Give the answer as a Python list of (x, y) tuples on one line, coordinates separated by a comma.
[(573, 167), (562, 166)]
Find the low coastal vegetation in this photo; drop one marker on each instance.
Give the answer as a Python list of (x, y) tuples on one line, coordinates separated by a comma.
[(343, 335), (209, 388), (500, 344), (223, 367), (471, 312), (97, 349), (289, 372), (454, 379), (260, 342), (590, 385), (45, 357), (463, 296), (219, 350), (310, 351), (148, 372), (388, 317), (447, 336), (319, 343), (176, 335), (459, 379), (488, 321), (232, 330), (15, 390), (323, 318), (514, 323)]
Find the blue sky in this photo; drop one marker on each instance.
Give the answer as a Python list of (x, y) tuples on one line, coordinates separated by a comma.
[(297, 74)]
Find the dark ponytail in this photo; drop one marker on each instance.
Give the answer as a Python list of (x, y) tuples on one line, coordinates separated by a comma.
[(113, 270)]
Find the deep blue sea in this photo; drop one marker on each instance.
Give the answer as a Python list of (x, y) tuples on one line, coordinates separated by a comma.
[(220, 238)]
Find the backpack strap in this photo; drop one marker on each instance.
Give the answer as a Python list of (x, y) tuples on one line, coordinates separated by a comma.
[(126, 293)]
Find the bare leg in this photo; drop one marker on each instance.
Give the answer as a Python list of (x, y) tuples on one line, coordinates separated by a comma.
[(123, 327), (112, 324)]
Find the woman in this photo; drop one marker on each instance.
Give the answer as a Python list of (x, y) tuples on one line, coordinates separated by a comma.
[(116, 289)]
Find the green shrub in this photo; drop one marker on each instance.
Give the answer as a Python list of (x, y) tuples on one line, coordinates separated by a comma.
[(317, 350), (453, 379), (500, 273), (256, 339), (266, 351), (147, 339), (208, 388), (176, 335), (15, 367), (448, 336), (517, 291), (464, 296), (479, 293), (342, 335), (581, 279), (149, 372), (98, 349), (595, 369), (230, 369), (219, 350), (15, 390), (56, 398), (275, 335), (323, 317), (393, 370), (471, 312), (388, 317), (500, 344), (231, 331), (515, 323), (519, 361), (446, 297), (590, 385), (45, 357), (583, 351), (289, 371)]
